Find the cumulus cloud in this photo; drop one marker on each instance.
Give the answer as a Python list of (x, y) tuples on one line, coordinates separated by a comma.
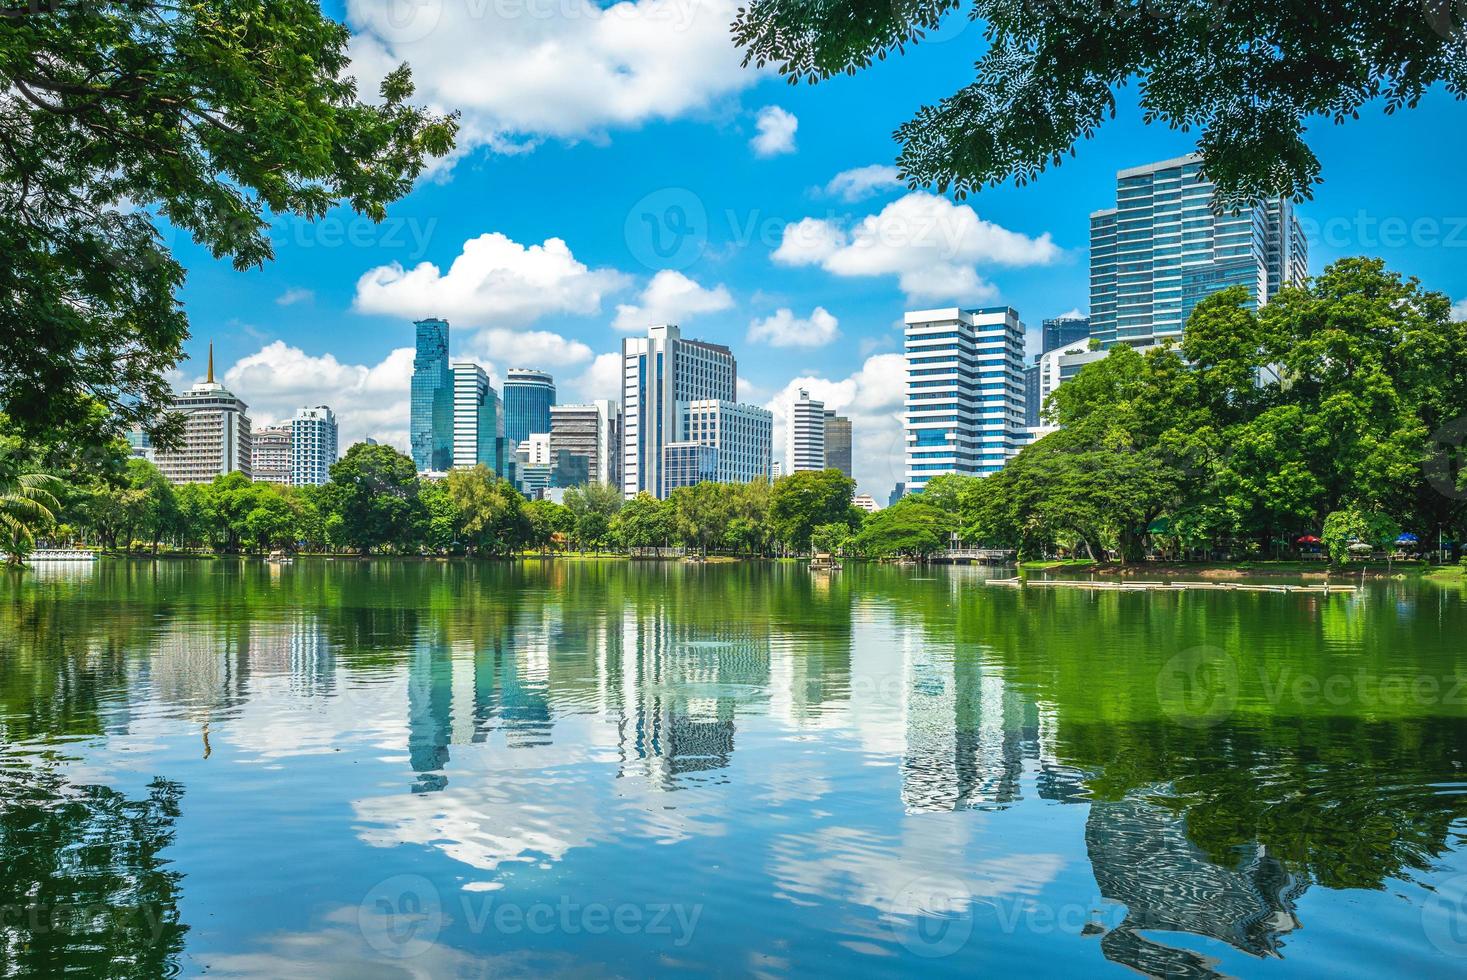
[(1459, 310), (776, 132), (784, 329), (930, 244), (1073, 314), (493, 279), (504, 66), (670, 297), (525, 348), (872, 399), (293, 296), (602, 379), (369, 400), (860, 183)]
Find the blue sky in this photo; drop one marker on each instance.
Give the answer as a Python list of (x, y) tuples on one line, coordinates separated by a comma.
[(587, 131)]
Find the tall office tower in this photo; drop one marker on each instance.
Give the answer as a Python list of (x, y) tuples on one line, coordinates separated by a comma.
[(537, 449), (216, 434), (478, 423), (837, 442), (965, 392), (1061, 331), (430, 427), (743, 436), (528, 395), (1033, 402), (313, 445), (592, 430), (804, 434), (1161, 250), (660, 373), (270, 454)]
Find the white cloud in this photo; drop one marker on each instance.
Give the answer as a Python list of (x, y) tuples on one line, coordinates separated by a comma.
[(670, 297), (872, 399), (1074, 314), (526, 348), (862, 182), (930, 244), (293, 296), (493, 279), (368, 400), (522, 71), (776, 132), (602, 379), (1459, 311), (784, 329)]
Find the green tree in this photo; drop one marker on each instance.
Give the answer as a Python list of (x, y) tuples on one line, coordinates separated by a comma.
[(214, 118), (1245, 75), (799, 502), (491, 512), (27, 506), (547, 519), (593, 507), (372, 499), (911, 528), (644, 522)]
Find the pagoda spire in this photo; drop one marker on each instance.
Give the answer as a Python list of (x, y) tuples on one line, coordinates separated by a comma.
[(211, 362)]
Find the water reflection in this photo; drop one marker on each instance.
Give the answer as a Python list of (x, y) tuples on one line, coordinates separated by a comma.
[(822, 743)]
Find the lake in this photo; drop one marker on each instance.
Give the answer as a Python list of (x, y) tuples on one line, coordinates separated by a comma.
[(343, 768)]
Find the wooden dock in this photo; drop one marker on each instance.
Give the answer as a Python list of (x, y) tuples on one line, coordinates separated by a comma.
[(1121, 585)]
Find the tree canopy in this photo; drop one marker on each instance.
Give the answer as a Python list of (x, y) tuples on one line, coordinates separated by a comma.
[(120, 121), (1247, 76)]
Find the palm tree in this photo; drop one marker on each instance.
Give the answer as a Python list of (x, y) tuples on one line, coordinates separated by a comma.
[(27, 504)]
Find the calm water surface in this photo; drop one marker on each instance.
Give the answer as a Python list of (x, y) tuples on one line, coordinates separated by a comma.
[(480, 770)]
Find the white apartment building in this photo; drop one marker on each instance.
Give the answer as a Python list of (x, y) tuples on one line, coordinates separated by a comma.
[(216, 434), (313, 445), (270, 454), (743, 435), (661, 373), (965, 392)]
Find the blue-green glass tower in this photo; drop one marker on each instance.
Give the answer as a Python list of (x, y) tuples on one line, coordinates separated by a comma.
[(430, 427), (528, 395)]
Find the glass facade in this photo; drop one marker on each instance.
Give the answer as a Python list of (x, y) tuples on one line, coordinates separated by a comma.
[(1061, 331), (1166, 246), (528, 395), (686, 464), (430, 426), (478, 423)]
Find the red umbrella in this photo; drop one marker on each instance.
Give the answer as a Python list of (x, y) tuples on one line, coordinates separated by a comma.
[(1308, 539)]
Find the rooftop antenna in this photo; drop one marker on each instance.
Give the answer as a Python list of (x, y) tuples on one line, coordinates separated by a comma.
[(211, 362)]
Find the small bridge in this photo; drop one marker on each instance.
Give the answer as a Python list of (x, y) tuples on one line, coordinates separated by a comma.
[(978, 556)]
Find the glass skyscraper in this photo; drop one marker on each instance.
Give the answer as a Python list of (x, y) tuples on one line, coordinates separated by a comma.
[(528, 395), (478, 423), (430, 426), (965, 392), (1162, 249), (1061, 331)]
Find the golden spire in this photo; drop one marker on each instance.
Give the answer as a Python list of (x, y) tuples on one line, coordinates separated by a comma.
[(211, 362)]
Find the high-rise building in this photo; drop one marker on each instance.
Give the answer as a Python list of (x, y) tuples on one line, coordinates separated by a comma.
[(216, 434), (536, 448), (528, 395), (686, 463), (660, 374), (1033, 401), (804, 434), (592, 430), (837, 442), (140, 443), (478, 423), (270, 454), (866, 502), (313, 445), (1062, 331), (1162, 249), (965, 392), (742, 435), (897, 493), (430, 427)]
